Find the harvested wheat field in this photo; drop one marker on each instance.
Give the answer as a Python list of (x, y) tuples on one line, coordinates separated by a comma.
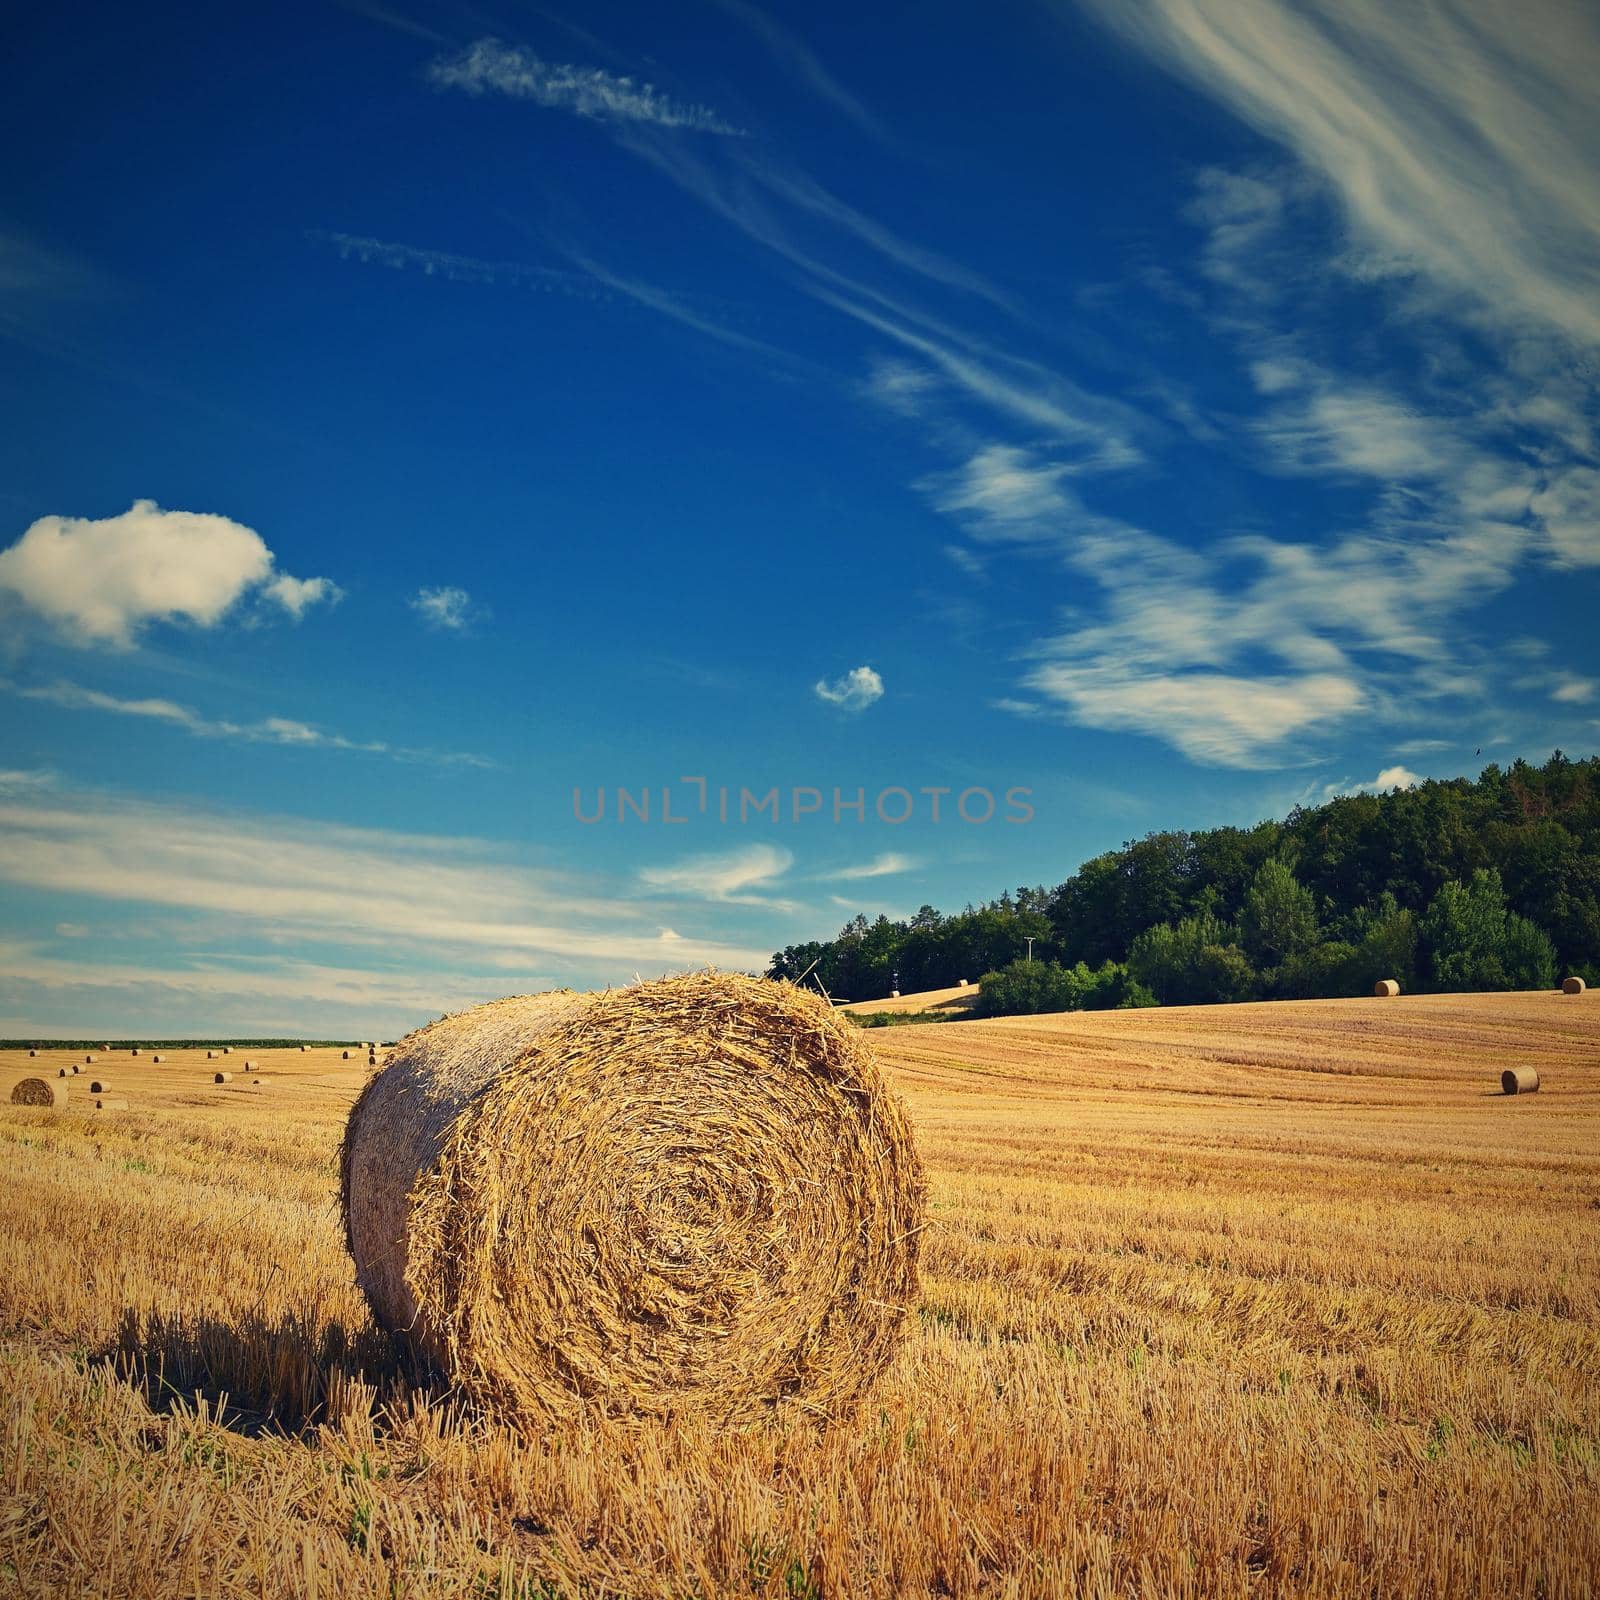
[(1283, 1299)]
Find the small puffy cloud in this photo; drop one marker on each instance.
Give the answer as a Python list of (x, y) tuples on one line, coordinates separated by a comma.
[(447, 607), (1394, 778), (295, 595), (1574, 691), (855, 691), (99, 580)]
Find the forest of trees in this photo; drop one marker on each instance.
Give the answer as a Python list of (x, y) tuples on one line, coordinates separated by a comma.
[(1493, 884)]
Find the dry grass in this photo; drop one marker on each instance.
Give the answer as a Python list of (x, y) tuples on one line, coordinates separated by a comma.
[(959, 999), (1254, 1300)]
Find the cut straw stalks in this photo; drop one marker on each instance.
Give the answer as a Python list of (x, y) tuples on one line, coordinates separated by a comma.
[(693, 1195)]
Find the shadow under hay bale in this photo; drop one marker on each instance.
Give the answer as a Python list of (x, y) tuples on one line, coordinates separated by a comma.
[(1573, 985), (286, 1376), (694, 1195), (1519, 1080), (39, 1092)]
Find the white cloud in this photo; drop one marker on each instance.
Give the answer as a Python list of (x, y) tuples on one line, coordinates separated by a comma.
[(585, 91), (855, 691), (1211, 717), (448, 607), (267, 730), (100, 580), (884, 866), (295, 595), (1574, 691), (729, 878), (418, 898), (1460, 139), (1395, 777)]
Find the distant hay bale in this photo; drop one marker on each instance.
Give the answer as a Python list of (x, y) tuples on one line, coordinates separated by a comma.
[(249, 1066), (76, 1068), (134, 1051), (346, 1055), (258, 1082), (227, 1049), (33, 1052), (1573, 985), (105, 1049), (100, 1086), (695, 1194), (1386, 988), (1519, 1080), (304, 1048), (211, 1055), (39, 1092), (111, 1102), (61, 1072), (222, 1077), (158, 1059), (88, 1061)]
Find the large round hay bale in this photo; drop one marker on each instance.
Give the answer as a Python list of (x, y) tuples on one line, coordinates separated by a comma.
[(304, 1048), (227, 1049), (222, 1077), (134, 1051), (39, 1092), (1519, 1080), (100, 1086), (1573, 985), (691, 1195), (211, 1055), (33, 1052), (88, 1061), (346, 1055), (158, 1059), (1386, 988)]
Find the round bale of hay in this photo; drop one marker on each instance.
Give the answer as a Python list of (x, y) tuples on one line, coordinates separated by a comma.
[(110, 1102), (222, 1077), (33, 1052), (39, 1092), (304, 1048), (134, 1051), (227, 1049), (1386, 988), (158, 1059), (61, 1072), (1519, 1080), (88, 1061), (692, 1195), (249, 1066), (100, 1086), (76, 1068), (258, 1082), (1573, 985), (346, 1055)]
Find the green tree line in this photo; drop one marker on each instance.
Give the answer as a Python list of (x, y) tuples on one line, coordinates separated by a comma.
[(1461, 884)]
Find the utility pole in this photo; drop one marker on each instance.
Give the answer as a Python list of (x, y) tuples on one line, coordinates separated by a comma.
[(1030, 952)]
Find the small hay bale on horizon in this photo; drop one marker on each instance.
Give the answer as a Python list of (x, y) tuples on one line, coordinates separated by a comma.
[(1519, 1080), (1386, 988), (227, 1049), (33, 1052), (1573, 985), (743, 1179), (39, 1092)]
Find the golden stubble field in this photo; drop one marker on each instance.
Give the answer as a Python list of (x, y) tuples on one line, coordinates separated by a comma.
[(1252, 1300)]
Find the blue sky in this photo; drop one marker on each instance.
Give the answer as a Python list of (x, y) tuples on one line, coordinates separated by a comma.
[(418, 413)]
